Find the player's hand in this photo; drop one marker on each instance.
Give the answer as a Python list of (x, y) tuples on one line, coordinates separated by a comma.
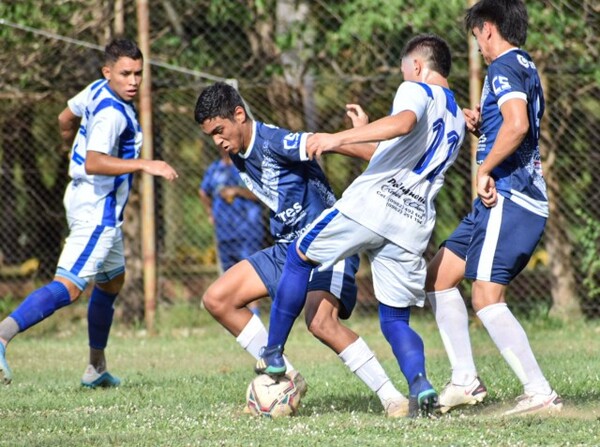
[(318, 143), (357, 115), (161, 168), (472, 117), (228, 194), (486, 189)]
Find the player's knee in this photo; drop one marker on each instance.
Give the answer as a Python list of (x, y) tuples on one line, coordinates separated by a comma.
[(322, 325), (215, 302)]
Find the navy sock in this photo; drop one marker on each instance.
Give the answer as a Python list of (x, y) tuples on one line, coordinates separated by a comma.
[(406, 344), (40, 304), (100, 317), (290, 297)]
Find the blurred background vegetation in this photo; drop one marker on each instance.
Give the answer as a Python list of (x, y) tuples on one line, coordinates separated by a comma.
[(297, 63)]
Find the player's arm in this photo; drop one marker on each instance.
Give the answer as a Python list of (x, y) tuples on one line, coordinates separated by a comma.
[(68, 124), (206, 201), (385, 128), (99, 163), (514, 128)]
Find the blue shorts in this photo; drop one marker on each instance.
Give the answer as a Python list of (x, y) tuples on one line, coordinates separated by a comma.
[(269, 262), (497, 242)]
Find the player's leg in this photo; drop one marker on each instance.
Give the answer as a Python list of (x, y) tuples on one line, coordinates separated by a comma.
[(398, 280), (445, 271), (37, 306), (315, 245), (227, 298), (511, 235), (322, 314)]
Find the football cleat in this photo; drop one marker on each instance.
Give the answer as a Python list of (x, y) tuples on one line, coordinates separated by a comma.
[(271, 361), (425, 400), (396, 407), (300, 382), (93, 379), (536, 403), (455, 396), (5, 371)]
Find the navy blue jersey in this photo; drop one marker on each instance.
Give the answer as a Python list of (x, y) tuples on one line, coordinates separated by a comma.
[(276, 169), (519, 177)]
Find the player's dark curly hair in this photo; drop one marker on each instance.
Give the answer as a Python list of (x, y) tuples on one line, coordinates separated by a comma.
[(119, 48), (434, 49), (509, 16), (217, 101)]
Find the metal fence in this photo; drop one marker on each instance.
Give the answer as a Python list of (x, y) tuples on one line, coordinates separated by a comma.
[(297, 64)]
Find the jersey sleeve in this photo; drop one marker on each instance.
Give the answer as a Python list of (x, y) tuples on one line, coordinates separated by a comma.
[(206, 184), (290, 147), (507, 81), (411, 96), (106, 128), (78, 102)]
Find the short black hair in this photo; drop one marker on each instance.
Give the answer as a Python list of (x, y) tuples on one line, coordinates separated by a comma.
[(509, 16), (119, 48), (218, 101), (434, 49)]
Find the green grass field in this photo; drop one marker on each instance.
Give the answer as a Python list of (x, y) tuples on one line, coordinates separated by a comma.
[(186, 387)]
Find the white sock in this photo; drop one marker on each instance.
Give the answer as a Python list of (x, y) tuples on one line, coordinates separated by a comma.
[(453, 323), (362, 361), (510, 338), (254, 336)]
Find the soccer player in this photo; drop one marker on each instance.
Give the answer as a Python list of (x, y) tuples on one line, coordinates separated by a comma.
[(495, 241), (388, 212), (101, 124), (274, 165), (235, 213)]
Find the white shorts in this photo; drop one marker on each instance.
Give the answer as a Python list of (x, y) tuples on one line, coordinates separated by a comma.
[(91, 251), (398, 275)]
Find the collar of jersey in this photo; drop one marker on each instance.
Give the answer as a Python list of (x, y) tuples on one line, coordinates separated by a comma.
[(251, 145), (507, 51), (117, 97)]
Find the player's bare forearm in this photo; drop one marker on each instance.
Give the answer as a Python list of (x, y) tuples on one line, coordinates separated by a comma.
[(364, 151), (98, 163), (68, 124), (382, 129)]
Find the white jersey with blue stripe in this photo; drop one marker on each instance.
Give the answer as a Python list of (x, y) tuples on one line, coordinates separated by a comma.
[(276, 168), (518, 178), (395, 195), (108, 125)]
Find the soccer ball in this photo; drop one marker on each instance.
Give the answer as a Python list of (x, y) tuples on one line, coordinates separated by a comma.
[(271, 397)]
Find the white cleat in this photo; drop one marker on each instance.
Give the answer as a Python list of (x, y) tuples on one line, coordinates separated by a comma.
[(536, 403), (455, 396), (396, 407)]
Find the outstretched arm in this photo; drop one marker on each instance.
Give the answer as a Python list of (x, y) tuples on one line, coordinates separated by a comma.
[(380, 130), (98, 163)]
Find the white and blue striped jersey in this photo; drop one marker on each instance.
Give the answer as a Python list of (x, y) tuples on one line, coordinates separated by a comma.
[(394, 196), (108, 125), (276, 168), (519, 177)]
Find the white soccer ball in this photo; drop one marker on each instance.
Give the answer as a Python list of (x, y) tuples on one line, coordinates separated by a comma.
[(271, 397)]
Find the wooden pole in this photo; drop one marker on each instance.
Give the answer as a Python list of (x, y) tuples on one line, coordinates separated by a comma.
[(474, 97), (147, 189)]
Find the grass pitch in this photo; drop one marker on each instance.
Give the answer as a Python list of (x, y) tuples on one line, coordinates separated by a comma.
[(186, 387)]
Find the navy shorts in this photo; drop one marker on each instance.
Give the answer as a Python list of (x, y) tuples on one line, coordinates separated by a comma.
[(338, 280), (496, 242), (233, 251)]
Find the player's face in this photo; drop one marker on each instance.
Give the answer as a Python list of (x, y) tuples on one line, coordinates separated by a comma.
[(227, 134), (124, 77), (482, 37)]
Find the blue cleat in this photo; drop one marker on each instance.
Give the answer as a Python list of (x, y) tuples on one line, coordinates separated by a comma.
[(93, 379), (423, 400), (271, 361), (5, 372)]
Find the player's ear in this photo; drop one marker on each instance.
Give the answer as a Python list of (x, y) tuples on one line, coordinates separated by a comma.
[(106, 72), (239, 114)]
